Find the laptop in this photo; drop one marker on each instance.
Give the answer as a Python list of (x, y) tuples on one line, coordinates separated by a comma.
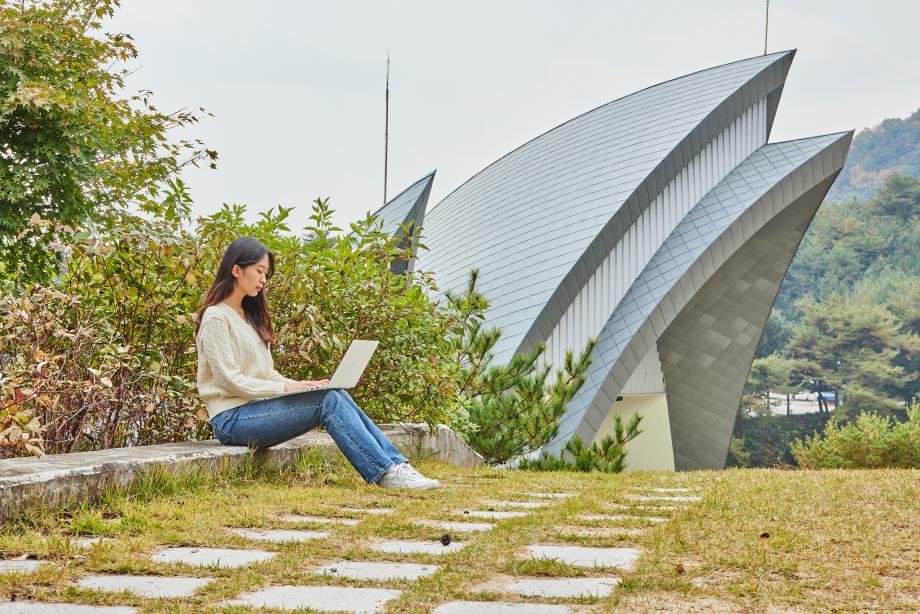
[(349, 370)]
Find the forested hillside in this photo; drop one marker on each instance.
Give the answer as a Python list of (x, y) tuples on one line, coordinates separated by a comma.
[(847, 318), (891, 147)]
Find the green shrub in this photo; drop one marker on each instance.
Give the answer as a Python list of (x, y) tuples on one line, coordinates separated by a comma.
[(871, 441), (104, 356), (737, 455), (504, 411), (766, 440), (74, 143), (607, 456)]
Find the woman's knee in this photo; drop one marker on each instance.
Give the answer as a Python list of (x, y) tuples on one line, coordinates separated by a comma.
[(344, 398), (221, 435), (336, 403), (222, 426), (332, 402), (348, 401)]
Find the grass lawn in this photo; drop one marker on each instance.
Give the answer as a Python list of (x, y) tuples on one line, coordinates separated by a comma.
[(758, 540)]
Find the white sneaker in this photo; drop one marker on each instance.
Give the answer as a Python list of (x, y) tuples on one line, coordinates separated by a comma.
[(408, 468), (399, 476)]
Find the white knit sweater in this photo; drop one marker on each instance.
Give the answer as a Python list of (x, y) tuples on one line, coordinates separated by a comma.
[(234, 365)]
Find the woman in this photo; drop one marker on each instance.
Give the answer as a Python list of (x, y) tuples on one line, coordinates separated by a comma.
[(237, 378)]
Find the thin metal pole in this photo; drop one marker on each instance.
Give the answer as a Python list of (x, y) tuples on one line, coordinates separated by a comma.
[(386, 132), (766, 28)]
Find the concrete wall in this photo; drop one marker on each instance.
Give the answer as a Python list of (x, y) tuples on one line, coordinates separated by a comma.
[(63, 480), (652, 449)]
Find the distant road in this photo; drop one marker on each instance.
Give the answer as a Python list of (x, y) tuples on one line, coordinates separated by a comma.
[(795, 406)]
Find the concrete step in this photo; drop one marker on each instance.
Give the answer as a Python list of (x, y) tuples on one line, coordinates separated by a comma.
[(61, 480)]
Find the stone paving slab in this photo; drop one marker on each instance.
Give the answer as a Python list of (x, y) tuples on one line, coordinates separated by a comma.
[(666, 490), (367, 510), (530, 505), (583, 531), (584, 556), (460, 527), (619, 518), (498, 607), (492, 514), (279, 535), (550, 495), (323, 598), (645, 507), (145, 586), (10, 566), (374, 570), (659, 498), (562, 587), (221, 557), (38, 607), (319, 519), (89, 542), (397, 546)]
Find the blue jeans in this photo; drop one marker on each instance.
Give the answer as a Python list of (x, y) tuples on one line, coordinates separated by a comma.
[(267, 422)]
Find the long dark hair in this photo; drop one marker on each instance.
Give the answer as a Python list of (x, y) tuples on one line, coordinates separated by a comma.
[(244, 252)]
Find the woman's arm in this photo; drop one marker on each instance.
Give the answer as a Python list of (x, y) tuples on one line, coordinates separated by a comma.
[(214, 335), (277, 377)]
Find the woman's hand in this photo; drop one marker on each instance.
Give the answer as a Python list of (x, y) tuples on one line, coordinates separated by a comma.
[(304, 384)]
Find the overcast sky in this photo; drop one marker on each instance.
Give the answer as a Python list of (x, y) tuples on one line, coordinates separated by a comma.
[(297, 87)]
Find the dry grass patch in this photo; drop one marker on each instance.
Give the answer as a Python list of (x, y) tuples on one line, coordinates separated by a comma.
[(759, 540), (682, 604)]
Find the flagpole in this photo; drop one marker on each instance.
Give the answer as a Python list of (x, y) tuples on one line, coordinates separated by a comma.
[(386, 131), (766, 28)]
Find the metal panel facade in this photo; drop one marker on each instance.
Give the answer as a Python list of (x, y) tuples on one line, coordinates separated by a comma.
[(709, 357), (661, 223), (408, 206), (616, 274), (528, 219), (766, 181)]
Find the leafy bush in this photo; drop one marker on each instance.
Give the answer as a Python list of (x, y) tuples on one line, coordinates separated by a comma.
[(607, 455), (20, 430), (96, 345), (105, 355), (72, 145), (737, 456), (871, 441), (766, 440), (338, 287)]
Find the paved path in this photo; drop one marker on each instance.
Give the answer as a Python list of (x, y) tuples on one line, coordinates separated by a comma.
[(639, 510)]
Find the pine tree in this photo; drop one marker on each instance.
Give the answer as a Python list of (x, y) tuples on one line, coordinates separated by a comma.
[(512, 409), (769, 374), (608, 455), (851, 347)]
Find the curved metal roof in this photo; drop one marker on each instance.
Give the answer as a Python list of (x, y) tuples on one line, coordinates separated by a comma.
[(772, 179), (408, 205), (538, 221)]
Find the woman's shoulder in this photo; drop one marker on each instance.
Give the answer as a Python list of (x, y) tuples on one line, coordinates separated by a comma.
[(214, 311)]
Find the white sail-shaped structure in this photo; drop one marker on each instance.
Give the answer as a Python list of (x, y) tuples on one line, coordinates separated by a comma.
[(662, 224)]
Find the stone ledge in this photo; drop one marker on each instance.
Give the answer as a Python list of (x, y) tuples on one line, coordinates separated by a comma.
[(58, 480)]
